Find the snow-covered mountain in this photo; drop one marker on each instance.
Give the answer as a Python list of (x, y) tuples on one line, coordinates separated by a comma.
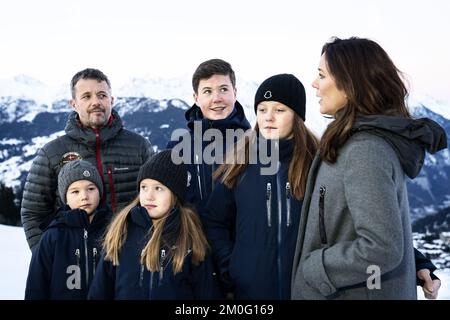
[(32, 114)]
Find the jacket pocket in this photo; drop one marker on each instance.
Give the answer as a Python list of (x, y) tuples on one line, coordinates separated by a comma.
[(322, 232)]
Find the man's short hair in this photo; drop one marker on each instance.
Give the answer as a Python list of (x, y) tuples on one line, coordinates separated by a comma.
[(212, 67), (89, 73)]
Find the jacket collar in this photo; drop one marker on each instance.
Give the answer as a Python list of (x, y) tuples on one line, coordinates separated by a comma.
[(78, 218), (284, 147), (87, 136), (140, 217), (235, 120)]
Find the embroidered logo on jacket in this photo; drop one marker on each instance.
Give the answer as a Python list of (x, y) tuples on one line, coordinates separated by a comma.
[(70, 156)]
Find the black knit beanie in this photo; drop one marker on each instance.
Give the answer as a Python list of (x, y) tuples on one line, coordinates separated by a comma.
[(161, 168), (284, 88), (77, 170)]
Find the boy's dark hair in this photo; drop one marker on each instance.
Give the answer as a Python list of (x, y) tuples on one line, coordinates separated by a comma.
[(89, 73), (211, 67)]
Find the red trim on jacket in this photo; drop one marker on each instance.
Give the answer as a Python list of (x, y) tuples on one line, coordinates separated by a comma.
[(111, 189), (98, 158), (110, 121)]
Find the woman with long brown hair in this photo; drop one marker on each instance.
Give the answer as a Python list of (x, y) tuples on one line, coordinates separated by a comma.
[(354, 239), (253, 214)]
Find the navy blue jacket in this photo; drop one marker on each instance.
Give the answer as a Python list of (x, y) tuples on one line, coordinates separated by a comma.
[(257, 263), (201, 184), (131, 280), (64, 263)]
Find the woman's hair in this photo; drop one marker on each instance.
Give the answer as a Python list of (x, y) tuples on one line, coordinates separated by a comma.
[(305, 147), (372, 83), (190, 237)]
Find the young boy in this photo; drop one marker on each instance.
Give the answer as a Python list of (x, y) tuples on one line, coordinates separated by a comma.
[(63, 265)]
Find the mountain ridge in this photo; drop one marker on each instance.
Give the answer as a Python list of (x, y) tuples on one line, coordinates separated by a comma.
[(26, 125)]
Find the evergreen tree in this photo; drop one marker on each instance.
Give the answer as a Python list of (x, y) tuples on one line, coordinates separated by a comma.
[(9, 211)]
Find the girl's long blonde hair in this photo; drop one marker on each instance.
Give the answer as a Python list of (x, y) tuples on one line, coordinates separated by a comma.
[(116, 233), (190, 237)]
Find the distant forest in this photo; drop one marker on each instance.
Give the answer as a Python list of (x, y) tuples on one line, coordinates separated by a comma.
[(9, 206)]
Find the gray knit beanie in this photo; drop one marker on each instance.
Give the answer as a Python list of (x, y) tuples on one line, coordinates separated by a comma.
[(77, 170)]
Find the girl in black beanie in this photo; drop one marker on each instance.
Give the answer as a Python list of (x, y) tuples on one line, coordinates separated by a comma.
[(155, 247), (252, 216)]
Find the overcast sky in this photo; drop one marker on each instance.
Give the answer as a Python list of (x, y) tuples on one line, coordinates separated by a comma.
[(50, 40)]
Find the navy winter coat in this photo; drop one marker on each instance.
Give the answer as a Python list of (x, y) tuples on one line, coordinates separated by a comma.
[(64, 263), (201, 184), (131, 280), (257, 263)]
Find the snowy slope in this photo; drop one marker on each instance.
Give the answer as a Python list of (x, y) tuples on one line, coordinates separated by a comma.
[(32, 113), (440, 107), (23, 86), (44, 95), (15, 258), (12, 168)]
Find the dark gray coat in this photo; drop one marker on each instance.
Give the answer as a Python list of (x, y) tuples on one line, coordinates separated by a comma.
[(116, 152), (356, 214)]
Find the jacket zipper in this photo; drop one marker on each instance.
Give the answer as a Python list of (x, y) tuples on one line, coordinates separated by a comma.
[(288, 204), (269, 204), (212, 179), (198, 177), (323, 235), (94, 260), (112, 189), (78, 255), (86, 257), (161, 265), (279, 236), (99, 160), (141, 273)]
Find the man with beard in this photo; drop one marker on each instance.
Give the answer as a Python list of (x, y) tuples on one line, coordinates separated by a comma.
[(95, 133)]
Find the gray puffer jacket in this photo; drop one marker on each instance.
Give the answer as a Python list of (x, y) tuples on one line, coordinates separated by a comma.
[(116, 152), (354, 239)]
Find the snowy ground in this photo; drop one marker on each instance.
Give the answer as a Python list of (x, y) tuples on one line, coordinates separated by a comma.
[(15, 257)]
